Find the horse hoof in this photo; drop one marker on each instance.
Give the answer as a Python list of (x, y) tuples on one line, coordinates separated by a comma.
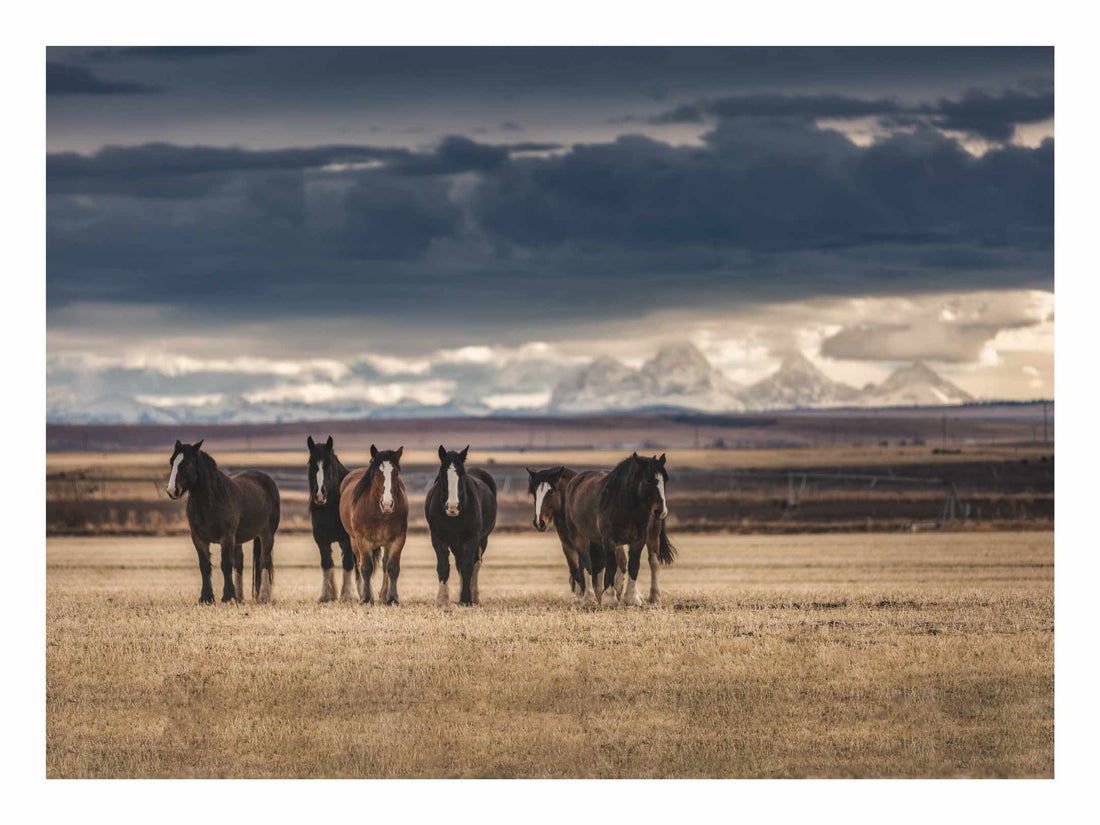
[(325, 597), (206, 599), (654, 598)]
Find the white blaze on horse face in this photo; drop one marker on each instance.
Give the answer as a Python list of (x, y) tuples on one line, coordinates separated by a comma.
[(320, 480), (540, 494), (171, 488), (452, 490), (661, 490), (387, 486)]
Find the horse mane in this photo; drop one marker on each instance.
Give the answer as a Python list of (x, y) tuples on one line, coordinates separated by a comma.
[(363, 487), (213, 483), (617, 489)]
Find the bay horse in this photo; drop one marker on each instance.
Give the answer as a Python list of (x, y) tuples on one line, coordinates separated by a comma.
[(547, 489), (461, 509), (375, 512), (325, 472), (227, 510), (626, 506)]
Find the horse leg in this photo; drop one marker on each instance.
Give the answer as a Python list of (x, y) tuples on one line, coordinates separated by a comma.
[(229, 547), (443, 571), (467, 558), (384, 590), (352, 588), (634, 562), (366, 568), (267, 567), (328, 571), (652, 545), (609, 593), (576, 581), (393, 567), (593, 581), (238, 572), (206, 596), (257, 566), (477, 569)]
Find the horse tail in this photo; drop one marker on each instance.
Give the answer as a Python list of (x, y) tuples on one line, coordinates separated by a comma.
[(666, 552), (256, 556)]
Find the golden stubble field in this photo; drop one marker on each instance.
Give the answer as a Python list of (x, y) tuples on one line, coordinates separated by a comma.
[(838, 655)]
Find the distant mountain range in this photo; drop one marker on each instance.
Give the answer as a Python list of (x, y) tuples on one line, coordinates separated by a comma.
[(679, 376)]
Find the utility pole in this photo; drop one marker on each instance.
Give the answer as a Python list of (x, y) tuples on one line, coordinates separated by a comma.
[(944, 435)]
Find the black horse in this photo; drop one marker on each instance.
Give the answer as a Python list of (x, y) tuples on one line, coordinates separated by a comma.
[(227, 510), (632, 512), (461, 509), (325, 476)]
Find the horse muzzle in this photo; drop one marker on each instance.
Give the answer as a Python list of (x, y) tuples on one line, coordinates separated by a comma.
[(539, 524), (386, 509), (452, 512), (320, 498), (175, 495)]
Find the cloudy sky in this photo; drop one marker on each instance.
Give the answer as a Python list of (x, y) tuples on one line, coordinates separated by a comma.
[(388, 225)]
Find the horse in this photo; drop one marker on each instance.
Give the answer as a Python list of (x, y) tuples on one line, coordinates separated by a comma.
[(461, 509), (227, 510), (547, 489), (325, 472), (375, 512), (626, 506)]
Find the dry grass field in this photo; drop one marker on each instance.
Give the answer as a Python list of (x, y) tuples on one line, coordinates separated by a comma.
[(108, 463), (867, 655)]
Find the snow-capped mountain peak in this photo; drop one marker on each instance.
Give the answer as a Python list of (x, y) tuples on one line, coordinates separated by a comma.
[(679, 375), (796, 384), (914, 385)]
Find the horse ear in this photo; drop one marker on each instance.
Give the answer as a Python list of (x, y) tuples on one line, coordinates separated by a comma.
[(400, 451), (661, 460), (373, 452), (462, 455), (178, 445), (309, 443), (530, 472), (637, 457), (198, 446), (557, 471), (442, 453), (329, 442)]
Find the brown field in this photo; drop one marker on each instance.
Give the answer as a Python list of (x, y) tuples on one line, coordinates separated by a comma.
[(892, 655), (107, 463)]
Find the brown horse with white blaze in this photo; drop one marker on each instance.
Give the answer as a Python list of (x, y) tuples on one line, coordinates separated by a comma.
[(375, 511), (547, 489)]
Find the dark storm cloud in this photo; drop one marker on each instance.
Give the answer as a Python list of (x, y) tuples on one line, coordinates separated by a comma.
[(764, 210), (915, 189), (167, 171), (175, 171), (994, 117), (63, 79), (991, 116), (651, 72), (777, 105), (169, 52)]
